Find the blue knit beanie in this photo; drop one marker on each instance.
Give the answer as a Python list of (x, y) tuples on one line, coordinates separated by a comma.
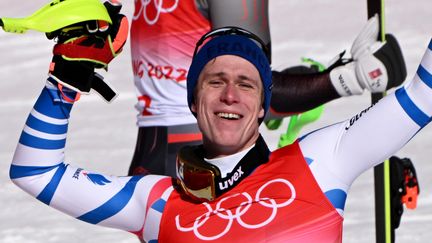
[(237, 45)]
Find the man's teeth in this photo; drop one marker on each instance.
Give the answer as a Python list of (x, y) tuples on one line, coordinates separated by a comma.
[(228, 115)]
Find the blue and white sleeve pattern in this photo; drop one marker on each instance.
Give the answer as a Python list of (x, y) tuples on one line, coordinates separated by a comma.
[(38, 168), (338, 154), (416, 97)]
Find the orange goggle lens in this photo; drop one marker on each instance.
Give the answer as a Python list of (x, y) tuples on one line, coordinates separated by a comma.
[(196, 181)]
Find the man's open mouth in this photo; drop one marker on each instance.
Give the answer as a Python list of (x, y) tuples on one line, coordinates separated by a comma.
[(229, 116)]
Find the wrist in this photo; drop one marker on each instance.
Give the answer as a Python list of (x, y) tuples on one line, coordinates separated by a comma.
[(60, 93), (76, 75)]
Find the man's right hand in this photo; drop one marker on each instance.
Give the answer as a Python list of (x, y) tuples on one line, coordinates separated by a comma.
[(85, 46)]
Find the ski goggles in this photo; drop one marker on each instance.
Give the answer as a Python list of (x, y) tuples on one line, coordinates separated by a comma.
[(196, 177), (232, 30)]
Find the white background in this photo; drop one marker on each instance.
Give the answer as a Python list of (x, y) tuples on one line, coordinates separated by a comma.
[(102, 136)]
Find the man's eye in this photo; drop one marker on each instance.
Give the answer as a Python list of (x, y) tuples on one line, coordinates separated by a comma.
[(246, 85), (215, 82)]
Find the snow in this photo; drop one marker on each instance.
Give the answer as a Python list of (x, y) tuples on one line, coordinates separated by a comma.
[(102, 136)]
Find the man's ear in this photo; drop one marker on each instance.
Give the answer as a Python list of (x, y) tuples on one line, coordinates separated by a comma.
[(261, 112), (193, 107)]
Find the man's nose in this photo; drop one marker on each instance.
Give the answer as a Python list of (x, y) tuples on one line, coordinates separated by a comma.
[(230, 94)]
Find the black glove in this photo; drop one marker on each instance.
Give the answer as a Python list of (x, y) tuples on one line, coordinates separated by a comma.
[(85, 46)]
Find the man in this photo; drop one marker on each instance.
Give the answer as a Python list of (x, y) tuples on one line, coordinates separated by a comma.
[(231, 188), (163, 37)]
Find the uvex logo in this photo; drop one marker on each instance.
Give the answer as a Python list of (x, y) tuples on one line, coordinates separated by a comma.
[(237, 175)]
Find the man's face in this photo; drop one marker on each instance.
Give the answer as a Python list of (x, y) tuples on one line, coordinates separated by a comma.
[(228, 103)]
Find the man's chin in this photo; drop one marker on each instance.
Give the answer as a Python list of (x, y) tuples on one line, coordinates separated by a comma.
[(227, 144)]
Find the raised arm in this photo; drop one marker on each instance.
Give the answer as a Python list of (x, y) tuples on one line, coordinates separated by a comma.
[(38, 168), (341, 152), (38, 165)]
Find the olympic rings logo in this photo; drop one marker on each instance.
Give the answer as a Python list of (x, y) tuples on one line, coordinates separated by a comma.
[(158, 5), (240, 210)]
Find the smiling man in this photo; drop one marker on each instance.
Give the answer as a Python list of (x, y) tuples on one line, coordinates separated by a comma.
[(231, 97), (230, 188), (228, 105)]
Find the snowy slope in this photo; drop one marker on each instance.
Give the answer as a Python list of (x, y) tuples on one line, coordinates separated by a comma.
[(102, 136)]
